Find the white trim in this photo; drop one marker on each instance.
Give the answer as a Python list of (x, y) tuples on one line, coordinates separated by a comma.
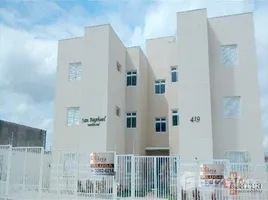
[(156, 148)]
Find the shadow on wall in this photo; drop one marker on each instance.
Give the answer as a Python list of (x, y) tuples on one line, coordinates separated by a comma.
[(157, 108), (224, 137)]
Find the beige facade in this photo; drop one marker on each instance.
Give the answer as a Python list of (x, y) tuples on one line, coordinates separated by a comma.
[(194, 95)]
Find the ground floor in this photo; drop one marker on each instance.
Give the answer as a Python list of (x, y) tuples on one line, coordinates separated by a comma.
[(154, 175)]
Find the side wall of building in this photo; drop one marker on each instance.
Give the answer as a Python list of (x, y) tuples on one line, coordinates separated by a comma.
[(158, 55), (115, 139), (136, 101), (243, 133), (194, 86), (90, 93)]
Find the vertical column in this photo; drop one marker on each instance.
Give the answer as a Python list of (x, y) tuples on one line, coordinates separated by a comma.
[(24, 168), (8, 169), (155, 176), (195, 128), (115, 175), (133, 179), (178, 177), (41, 173)]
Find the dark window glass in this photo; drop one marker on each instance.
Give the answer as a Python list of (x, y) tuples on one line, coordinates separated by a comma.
[(157, 89), (175, 120), (163, 127), (128, 122), (128, 80), (157, 127), (163, 88), (133, 122), (174, 76), (134, 80)]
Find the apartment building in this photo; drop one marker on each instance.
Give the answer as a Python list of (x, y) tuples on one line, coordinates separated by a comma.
[(194, 95)]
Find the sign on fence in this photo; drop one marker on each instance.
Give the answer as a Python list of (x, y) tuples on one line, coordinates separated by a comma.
[(211, 175), (102, 163)]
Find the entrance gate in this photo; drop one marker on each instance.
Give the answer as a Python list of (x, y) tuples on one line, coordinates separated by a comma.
[(147, 176)]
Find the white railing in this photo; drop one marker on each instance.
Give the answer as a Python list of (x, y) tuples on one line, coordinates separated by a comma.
[(29, 173)]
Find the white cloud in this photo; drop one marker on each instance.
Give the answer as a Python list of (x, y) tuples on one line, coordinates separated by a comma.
[(28, 47)]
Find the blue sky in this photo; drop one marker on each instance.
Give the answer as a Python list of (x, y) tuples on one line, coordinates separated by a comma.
[(30, 29)]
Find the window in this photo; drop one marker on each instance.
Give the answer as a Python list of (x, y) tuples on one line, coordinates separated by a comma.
[(73, 116), (75, 71), (117, 111), (160, 86), (131, 78), (160, 124), (118, 66), (229, 55), (174, 74), (131, 120), (175, 118), (232, 107)]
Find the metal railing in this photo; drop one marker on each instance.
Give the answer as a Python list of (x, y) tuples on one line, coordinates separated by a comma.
[(30, 173)]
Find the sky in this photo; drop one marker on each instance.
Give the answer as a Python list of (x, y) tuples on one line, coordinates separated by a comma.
[(30, 30)]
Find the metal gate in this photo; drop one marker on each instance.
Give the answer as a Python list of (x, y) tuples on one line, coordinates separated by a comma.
[(147, 176), (28, 174)]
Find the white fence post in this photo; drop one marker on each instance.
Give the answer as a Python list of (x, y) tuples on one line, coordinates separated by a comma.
[(8, 169), (155, 176), (24, 169), (133, 176), (40, 186), (76, 176), (178, 177), (115, 175)]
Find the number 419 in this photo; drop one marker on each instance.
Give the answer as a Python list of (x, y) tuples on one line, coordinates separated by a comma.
[(195, 119)]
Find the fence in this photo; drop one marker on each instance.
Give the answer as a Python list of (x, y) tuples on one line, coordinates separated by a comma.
[(31, 173)]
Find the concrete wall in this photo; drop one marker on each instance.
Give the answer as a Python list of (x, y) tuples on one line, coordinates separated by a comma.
[(194, 86), (136, 101), (90, 93), (159, 69), (244, 133), (115, 132)]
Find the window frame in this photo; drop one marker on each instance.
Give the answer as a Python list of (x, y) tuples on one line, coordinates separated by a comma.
[(174, 69), (229, 46), (160, 120), (130, 74), (175, 113), (77, 71), (224, 107), (159, 83), (131, 116), (76, 110)]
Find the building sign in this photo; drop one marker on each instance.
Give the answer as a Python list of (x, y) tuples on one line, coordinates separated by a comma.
[(238, 185), (102, 163), (94, 121), (211, 175)]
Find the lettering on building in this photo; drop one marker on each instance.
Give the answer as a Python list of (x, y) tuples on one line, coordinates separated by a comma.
[(94, 121)]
